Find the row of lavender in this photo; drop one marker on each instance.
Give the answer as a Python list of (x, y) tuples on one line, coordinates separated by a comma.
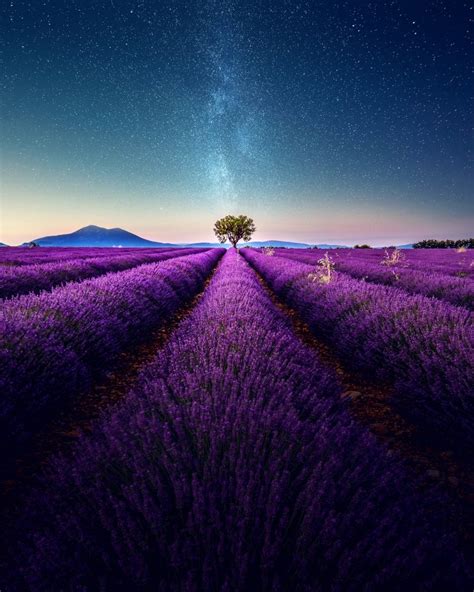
[(53, 345), (234, 465), (18, 256), (384, 270), (459, 263), (421, 346), (44, 276)]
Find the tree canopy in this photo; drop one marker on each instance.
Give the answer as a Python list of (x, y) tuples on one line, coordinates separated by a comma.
[(233, 229), (431, 243)]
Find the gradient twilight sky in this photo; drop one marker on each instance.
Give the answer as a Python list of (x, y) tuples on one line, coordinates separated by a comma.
[(324, 121)]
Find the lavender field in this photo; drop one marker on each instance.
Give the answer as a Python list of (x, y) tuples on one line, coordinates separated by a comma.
[(252, 419)]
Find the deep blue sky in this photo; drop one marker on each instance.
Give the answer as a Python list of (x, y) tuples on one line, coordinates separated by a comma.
[(341, 121)]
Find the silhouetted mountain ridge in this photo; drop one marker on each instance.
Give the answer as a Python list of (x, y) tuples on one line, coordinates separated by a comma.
[(96, 236)]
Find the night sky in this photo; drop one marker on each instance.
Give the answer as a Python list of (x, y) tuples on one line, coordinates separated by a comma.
[(324, 121)]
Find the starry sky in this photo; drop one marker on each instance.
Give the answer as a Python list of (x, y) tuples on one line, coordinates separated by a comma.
[(324, 121)]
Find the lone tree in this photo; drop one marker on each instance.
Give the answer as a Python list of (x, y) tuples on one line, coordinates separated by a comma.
[(234, 228)]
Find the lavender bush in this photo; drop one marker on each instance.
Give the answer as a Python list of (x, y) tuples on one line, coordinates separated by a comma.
[(37, 277), (456, 290), (442, 261), (234, 465), (52, 345), (17, 256), (422, 346)]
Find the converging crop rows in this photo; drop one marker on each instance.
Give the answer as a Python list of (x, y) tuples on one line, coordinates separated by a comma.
[(233, 462)]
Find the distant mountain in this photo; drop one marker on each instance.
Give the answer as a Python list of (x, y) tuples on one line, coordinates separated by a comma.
[(289, 245), (268, 243), (95, 236), (204, 245), (3, 245), (256, 244), (407, 246), (324, 246), (276, 243)]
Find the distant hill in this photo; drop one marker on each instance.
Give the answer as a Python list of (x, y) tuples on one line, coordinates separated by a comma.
[(276, 243), (324, 246), (95, 236), (256, 244), (392, 246), (289, 245), (273, 243), (260, 244), (204, 245), (3, 245)]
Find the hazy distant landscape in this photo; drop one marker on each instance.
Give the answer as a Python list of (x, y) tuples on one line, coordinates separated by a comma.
[(96, 236)]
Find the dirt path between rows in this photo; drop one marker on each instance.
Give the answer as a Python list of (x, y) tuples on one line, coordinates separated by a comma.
[(370, 404), (62, 431)]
